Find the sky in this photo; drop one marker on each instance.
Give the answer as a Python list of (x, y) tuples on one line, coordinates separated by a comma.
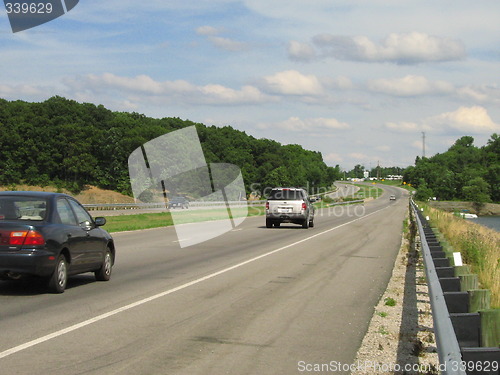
[(357, 80)]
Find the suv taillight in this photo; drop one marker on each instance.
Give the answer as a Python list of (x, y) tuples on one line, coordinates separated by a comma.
[(31, 237), (304, 206), (267, 205)]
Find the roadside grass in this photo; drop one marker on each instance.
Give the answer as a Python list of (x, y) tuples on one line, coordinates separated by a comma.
[(368, 191), (396, 183), (123, 223), (479, 246)]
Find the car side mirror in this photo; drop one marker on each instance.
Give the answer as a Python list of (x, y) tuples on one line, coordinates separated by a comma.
[(100, 221)]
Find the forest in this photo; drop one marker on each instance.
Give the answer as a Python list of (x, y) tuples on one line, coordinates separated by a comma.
[(464, 172), (63, 143)]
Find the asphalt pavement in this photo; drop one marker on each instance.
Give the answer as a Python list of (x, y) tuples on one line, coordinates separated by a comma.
[(252, 301)]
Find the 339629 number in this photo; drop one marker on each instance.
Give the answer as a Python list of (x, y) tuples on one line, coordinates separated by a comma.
[(25, 8)]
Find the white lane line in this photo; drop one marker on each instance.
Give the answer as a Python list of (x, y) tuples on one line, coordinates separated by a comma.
[(98, 318)]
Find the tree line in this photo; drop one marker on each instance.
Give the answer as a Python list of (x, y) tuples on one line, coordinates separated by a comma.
[(67, 144), (464, 172)]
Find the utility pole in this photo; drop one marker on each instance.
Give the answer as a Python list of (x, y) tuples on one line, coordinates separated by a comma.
[(423, 144)]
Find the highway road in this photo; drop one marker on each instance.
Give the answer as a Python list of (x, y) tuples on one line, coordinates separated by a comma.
[(253, 301)]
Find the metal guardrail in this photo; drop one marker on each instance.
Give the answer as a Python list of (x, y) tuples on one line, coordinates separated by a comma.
[(142, 206), (139, 206), (449, 353)]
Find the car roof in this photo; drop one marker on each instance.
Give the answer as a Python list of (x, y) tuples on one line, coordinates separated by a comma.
[(35, 194)]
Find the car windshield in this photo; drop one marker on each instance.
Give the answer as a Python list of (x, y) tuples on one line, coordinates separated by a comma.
[(285, 195), (22, 208)]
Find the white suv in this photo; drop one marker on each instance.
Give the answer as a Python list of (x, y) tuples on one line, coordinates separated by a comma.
[(289, 205)]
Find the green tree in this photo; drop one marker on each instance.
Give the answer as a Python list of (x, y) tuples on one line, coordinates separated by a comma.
[(477, 191), (423, 192)]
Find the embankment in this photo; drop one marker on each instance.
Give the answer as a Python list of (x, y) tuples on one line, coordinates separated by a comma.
[(452, 206)]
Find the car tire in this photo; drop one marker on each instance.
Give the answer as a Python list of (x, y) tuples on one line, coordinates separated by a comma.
[(311, 224), (305, 224), (59, 279), (104, 273), (269, 223), (277, 224)]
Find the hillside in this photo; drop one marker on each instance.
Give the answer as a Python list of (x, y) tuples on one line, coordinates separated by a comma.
[(88, 195), (464, 172), (66, 144)]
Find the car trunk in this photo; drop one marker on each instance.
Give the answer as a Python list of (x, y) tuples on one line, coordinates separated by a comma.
[(13, 235)]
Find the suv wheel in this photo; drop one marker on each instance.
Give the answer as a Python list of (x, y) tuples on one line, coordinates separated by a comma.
[(305, 224), (269, 223)]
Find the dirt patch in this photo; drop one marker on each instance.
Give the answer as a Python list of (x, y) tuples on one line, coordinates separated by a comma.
[(89, 195)]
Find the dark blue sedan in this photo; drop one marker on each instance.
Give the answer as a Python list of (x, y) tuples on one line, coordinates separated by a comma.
[(52, 236)]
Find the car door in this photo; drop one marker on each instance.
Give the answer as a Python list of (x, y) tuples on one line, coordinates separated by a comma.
[(94, 243), (73, 235)]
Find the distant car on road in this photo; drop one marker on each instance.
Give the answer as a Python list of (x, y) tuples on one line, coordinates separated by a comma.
[(392, 198), (51, 236), (178, 202), (289, 205)]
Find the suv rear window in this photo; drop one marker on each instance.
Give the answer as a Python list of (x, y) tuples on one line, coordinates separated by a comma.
[(22, 208), (286, 195)]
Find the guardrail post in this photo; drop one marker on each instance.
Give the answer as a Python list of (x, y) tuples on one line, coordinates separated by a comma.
[(473, 345), (446, 340)]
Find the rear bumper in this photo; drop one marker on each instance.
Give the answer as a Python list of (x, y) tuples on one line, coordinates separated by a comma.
[(286, 218), (27, 262)]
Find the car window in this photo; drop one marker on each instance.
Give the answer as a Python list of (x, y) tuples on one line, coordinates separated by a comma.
[(22, 208), (285, 194), (65, 213), (81, 215)]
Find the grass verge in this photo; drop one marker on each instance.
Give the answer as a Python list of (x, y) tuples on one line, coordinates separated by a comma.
[(163, 219), (368, 191), (480, 247)]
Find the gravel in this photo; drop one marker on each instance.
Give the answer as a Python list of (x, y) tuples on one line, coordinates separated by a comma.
[(400, 338)]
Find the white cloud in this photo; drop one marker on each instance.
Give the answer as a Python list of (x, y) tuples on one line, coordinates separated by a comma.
[(358, 156), (220, 42), (404, 48), (299, 51), (297, 124), (465, 120), (291, 82), (417, 145), (403, 127), (469, 120), (409, 85), (14, 91), (333, 158), (228, 44), (383, 148), (340, 82), (167, 91), (480, 93), (207, 30)]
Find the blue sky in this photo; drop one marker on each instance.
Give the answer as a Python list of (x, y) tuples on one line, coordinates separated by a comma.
[(357, 80)]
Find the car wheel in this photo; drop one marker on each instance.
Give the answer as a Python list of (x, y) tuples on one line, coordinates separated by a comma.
[(277, 224), (59, 279), (104, 273), (269, 223), (311, 224), (305, 224)]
